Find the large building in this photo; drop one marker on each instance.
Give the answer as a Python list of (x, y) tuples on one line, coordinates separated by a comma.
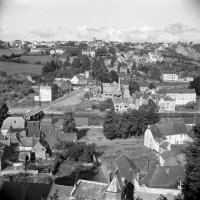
[(170, 77), (181, 96)]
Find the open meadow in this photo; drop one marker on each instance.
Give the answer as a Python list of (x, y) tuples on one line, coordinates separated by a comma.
[(17, 68), (32, 59)]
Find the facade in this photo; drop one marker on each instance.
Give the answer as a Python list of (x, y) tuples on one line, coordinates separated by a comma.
[(182, 96), (64, 84), (46, 93), (170, 77), (110, 90), (56, 51), (166, 104), (79, 80), (122, 105)]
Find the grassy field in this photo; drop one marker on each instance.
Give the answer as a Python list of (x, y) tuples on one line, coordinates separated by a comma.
[(9, 51), (14, 68), (33, 59)]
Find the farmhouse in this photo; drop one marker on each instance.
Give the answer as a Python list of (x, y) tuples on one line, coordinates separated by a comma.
[(172, 132)]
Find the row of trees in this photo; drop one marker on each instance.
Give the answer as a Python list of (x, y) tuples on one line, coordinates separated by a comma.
[(132, 123)]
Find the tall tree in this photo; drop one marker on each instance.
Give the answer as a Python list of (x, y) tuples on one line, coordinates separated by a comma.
[(196, 85), (114, 76), (191, 189), (3, 111), (133, 87), (69, 125)]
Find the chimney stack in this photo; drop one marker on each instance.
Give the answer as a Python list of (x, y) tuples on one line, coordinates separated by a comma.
[(109, 176)]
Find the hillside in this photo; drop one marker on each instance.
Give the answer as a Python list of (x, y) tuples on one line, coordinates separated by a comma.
[(10, 51), (188, 51)]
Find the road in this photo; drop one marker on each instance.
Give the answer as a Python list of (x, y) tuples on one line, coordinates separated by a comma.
[(60, 104)]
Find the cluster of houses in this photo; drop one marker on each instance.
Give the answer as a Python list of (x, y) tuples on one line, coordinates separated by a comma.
[(21, 142)]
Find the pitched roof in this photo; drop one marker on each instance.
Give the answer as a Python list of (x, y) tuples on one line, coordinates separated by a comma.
[(164, 177), (126, 167), (14, 122), (116, 184), (179, 91), (89, 190), (166, 128), (62, 191)]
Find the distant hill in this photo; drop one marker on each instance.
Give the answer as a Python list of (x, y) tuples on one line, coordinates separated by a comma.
[(188, 51)]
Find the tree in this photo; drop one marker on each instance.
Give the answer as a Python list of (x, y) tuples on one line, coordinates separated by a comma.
[(76, 63), (114, 76), (151, 86), (50, 67), (69, 125), (195, 84), (155, 74), (112, 50), (191, 188), (133, 87), (85, 63), (3, 111)]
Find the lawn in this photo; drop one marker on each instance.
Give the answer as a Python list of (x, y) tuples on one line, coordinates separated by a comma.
[(33, 59), (14, 68)]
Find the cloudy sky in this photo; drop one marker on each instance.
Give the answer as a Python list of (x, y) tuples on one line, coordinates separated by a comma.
[(116, 20)]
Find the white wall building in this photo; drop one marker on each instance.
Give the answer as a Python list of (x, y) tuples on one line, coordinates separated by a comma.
[(45, 93), (170, 77), (182, 96)]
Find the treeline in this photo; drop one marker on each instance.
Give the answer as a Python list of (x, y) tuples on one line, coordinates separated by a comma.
[(132, 123)]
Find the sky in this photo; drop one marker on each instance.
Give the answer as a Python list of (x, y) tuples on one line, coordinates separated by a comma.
[(110, 20)]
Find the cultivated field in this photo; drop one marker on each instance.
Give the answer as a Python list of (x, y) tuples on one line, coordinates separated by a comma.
[(33, 59), (15, 68)]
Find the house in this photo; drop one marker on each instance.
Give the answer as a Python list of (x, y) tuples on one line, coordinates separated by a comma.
[(160, 180), (16, 123), (181, 96), (173, 132), (169, 77), (88, 52), (79, 80), (166, 104), (46, 93), (143, 87), (57, 51), (122, 105), (37, 51), (116, 189), (124, 87), (110, 90)]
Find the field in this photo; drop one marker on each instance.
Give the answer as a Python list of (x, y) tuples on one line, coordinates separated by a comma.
[(14, 68), (9, 51), (33, 59)]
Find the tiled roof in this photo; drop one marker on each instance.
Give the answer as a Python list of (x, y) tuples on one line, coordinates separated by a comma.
[(164, 177), (126, 167)]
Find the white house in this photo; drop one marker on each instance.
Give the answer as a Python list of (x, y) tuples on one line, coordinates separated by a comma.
[(45, 93), (56, 51), (122, 105), (169, 77), (172, 132)]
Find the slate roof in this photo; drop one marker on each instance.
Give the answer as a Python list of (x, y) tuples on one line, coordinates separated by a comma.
[(167, 128), (164, 177), (126, 167), (14, 122), (89, 190)]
